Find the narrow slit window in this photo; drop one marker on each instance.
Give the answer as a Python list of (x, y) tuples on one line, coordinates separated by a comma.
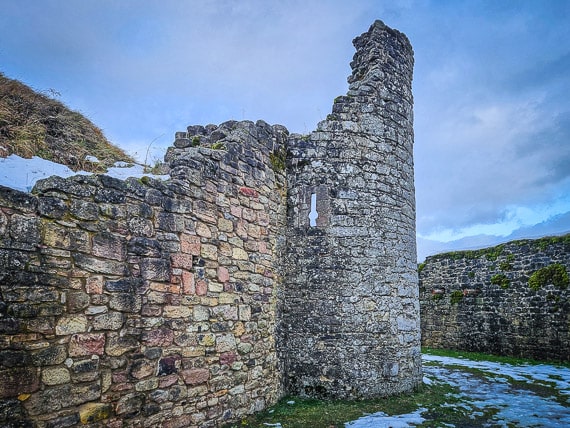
[(313, 213)]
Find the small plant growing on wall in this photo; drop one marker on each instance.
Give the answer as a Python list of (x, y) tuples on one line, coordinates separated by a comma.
[(218, 145), (421, 267), (455, 297), (555, 274), (278, 160), (501, 280)]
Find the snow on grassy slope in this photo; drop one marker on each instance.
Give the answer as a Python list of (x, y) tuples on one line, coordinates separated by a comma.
[(21, 174)]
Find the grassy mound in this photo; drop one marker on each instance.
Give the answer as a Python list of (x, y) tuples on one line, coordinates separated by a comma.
[(34, 124)]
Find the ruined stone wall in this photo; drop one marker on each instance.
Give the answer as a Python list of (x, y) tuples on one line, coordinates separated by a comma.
[(482, 300), (268, 264), (349, 305), (145, 303)]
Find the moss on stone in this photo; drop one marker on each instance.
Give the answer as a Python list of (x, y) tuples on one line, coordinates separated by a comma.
[(278, 160), (219, 145), (555, 274), (455, 297), (501, 280)]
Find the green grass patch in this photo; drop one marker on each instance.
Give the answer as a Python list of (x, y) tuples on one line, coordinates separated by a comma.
[(480, 356), (313, 413)]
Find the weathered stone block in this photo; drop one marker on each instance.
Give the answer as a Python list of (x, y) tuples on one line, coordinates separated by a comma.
[(225, 343), (177, 312), (70, 325), (195, 376), (168, 365), (19, 380), (77, 301), (117, 345), (158, 337), (55, 375), (183, 261), (239, 254), (92, 264), (94, 284), (83, 393), (52, 355), (209, 252), (125, 302), (190, 244), (142, 368), (64, 421), (25, 229), (108, 321), (94, 412), (130, 405), (109, 246), (52, 207), (155, 269), (87, 344)]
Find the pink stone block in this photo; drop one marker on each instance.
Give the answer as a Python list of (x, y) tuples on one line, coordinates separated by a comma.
[(201, 288), (94, 285), (87, 344), (158, 337), (228, 358), (248, 191), (180, 260), (195, 376), (223, 274), (188, 283), (167, 381), (190, 244)]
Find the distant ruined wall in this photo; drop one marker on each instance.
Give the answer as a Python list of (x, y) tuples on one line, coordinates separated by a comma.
[(349, 322), (204, 298), (482, 301), (145, 303)]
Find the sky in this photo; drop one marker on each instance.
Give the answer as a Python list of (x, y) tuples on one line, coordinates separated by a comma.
[(491, 88)]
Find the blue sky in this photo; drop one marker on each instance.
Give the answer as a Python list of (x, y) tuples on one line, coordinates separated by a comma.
[(491, 87)]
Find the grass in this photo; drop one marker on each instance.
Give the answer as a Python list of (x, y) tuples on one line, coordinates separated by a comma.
[(313, 413), (443, 403), (479, 356), (35, 124)]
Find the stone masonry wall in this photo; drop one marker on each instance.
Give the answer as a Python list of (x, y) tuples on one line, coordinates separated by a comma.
[(267, 264), (144, 303), (349, 322), (482, 301)]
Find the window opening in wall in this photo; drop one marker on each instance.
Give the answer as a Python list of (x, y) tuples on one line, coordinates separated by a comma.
[(313, 214)]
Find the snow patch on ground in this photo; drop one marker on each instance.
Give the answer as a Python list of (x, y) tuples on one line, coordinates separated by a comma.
[(504, 393), (382, 420), (22, 174), (513, 404)]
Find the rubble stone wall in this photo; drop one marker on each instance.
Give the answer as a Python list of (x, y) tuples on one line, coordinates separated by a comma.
[(349, 307), (507, 300), (141, 302), (267, 264)]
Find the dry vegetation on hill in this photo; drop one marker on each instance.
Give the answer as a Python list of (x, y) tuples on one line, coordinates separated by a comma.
[(34, 124)]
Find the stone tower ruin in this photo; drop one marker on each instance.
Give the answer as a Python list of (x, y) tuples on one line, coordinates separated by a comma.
[(349, 303), (267, 264)]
